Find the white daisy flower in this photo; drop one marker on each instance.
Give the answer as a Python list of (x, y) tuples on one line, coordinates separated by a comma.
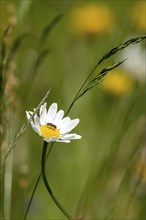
[(51, 125)]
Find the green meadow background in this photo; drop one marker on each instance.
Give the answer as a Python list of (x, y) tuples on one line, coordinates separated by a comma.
[(103, 175)]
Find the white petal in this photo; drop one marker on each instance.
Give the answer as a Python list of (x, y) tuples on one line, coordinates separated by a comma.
[(43, 113), (47, 140), (77, 137), (70, 126), (50, 139), (58, 117), (63, 122), (34, 127), (37, 122), (64, 141), (71, 137), (51, 113), (27, 115), (42, 108)]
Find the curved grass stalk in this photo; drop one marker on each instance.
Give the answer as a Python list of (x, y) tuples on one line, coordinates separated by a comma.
[(47, 184)]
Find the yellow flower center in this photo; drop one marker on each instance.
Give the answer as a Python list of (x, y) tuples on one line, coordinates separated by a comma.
[(49, 131)]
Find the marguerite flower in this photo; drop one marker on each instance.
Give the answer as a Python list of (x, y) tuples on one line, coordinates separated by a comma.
[(51, 125)]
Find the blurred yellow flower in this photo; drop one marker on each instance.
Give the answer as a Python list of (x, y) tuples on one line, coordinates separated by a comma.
[(118, 83), (91, 20), (139, 15)]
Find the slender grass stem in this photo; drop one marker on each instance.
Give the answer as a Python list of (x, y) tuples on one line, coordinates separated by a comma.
[(76, 96), (47, 184)]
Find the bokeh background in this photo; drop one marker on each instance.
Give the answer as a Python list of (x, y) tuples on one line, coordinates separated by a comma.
[(103, 175)]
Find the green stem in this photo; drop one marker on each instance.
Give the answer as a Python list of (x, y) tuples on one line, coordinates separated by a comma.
[(35, 187), (47, 184)]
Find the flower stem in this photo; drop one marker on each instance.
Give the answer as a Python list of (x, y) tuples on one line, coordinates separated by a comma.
[(36, 184), (47, 184)]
